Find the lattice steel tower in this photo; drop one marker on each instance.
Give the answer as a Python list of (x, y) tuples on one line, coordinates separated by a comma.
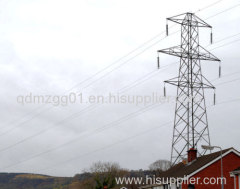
[(190, 123)]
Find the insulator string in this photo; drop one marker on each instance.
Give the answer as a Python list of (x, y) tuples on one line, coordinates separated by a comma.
[(220, 69), (211, 37), (164, 90), (214, 97), (167, 28)]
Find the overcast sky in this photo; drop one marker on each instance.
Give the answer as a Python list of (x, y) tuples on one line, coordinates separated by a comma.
[(49, 46)]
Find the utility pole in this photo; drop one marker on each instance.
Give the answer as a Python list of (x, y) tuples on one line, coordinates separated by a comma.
[(190, 123)]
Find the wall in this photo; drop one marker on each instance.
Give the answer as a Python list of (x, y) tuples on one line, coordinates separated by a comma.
[(230, 162)]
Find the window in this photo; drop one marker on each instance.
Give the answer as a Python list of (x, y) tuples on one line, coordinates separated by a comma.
[(191, 186), (179, 186), (165, 186)]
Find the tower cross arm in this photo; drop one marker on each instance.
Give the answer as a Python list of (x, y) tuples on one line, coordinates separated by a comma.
[(183, 19), (178, 51), (204, 83)]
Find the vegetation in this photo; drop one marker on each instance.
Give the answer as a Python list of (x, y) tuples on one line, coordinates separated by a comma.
[(159, 166), (100, 174), (31, 181)]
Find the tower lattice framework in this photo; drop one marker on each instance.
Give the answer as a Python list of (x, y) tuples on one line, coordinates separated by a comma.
[(190, 122)]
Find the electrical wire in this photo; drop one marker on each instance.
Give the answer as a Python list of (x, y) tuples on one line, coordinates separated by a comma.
[(122, 141), (125, 88), (45, 130), (97, 73), (95, 131), (218, 47)]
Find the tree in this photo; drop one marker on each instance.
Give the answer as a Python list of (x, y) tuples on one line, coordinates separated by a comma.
[(159, 166), (104, 174)]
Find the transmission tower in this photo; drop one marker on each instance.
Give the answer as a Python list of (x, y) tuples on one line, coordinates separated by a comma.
[(190, 122)]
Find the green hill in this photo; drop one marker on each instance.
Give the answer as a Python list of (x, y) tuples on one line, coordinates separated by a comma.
[(33, 181)]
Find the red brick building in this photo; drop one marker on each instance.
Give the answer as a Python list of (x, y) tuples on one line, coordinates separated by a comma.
[(203, 172)]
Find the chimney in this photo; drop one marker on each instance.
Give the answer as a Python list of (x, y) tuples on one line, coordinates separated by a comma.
[(192, 154)]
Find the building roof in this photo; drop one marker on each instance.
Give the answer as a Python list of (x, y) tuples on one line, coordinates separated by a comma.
[(236, 171), (180, 170)]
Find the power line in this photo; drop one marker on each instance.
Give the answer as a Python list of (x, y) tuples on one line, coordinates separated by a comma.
[(152, 74), (108, 146), (141, 52), (171, 34), (124, 140), (227, 75), (104, 127), (45, 130), (102, 70), (145, 78), (97, 73), (134, 84), (73, 116), (235, 6), (208, 6), (36, 115), (226, 44), (82, 110), (95, 131), (25, 140), (225, 10), (219, 84)]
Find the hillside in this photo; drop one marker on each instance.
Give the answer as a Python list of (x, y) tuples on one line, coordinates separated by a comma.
[(36, 181), (32, 181)]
